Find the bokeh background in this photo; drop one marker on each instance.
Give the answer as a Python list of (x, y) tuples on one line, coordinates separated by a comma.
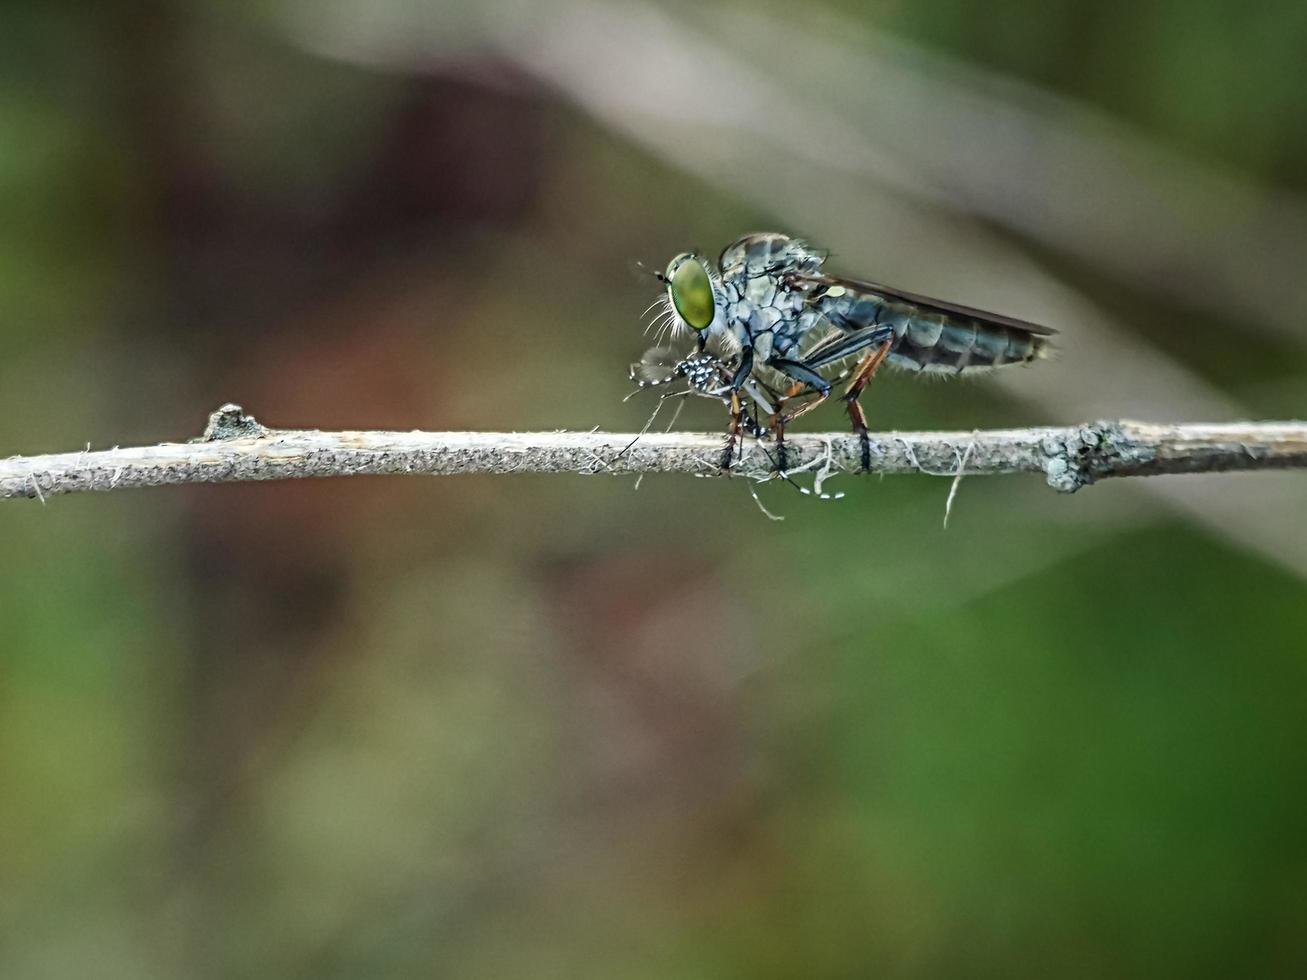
[(561, 727)]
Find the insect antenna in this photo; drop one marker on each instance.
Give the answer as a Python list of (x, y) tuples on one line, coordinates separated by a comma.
[(643, 270)]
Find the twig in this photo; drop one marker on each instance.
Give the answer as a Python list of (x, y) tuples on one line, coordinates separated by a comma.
[(236, 448)]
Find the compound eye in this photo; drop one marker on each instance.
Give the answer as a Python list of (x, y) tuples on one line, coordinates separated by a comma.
[(691, 291)]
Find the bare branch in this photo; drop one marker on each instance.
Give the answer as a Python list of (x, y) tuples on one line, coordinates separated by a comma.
[(236, 448)]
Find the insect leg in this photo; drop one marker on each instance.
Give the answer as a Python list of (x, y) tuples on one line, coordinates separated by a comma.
[(733, 433), (778, 424), (804, 377), (658, 407), (745, 367), (863, 374), (737, 404)]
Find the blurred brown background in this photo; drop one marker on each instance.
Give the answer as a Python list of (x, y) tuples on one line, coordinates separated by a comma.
[(554, 726)]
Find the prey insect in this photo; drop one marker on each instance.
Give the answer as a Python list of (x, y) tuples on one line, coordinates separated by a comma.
[(786, 326), (707, 373)]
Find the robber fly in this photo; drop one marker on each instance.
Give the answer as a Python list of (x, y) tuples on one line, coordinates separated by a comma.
[(787, 324)]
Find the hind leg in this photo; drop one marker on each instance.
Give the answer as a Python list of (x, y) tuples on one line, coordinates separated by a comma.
[(862, 376)]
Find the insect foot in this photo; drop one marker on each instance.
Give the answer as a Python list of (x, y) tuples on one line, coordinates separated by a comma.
[(865, 441), (728, 455), (782, 458)]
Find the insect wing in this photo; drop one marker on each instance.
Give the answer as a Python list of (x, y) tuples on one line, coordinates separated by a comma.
[(821, 284), (657, 366)]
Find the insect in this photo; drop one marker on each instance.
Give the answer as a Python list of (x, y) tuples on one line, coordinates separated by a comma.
[(784, 325), (705, 372)]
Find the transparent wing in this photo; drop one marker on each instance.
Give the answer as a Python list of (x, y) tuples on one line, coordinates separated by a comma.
[(657, 366), (819, 284)]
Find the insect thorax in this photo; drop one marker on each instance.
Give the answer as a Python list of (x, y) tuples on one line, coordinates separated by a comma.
[(767, 313), (768, 252)]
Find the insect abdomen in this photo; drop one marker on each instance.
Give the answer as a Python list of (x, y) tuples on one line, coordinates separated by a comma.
[(946, 345)]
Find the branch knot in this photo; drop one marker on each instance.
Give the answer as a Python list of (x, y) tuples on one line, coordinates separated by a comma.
[(231, 422), (1087, 452)]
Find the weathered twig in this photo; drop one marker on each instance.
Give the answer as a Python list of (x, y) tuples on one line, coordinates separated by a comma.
[(237, 448)]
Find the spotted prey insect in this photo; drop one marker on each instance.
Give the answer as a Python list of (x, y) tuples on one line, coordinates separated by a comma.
[(787, 323), (707, 373)]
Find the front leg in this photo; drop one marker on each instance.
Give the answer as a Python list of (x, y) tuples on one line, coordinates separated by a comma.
[(746, 367), (733, 432)]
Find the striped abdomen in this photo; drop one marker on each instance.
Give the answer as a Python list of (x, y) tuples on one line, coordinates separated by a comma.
[(935, 343), (929, 335)]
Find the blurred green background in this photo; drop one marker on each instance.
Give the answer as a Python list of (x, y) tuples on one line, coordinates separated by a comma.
[(557, 727)]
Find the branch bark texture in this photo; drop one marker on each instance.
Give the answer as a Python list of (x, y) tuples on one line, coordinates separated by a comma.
[(236, 448)]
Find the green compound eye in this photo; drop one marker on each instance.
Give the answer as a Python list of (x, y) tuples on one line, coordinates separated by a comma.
[(691, 291)]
